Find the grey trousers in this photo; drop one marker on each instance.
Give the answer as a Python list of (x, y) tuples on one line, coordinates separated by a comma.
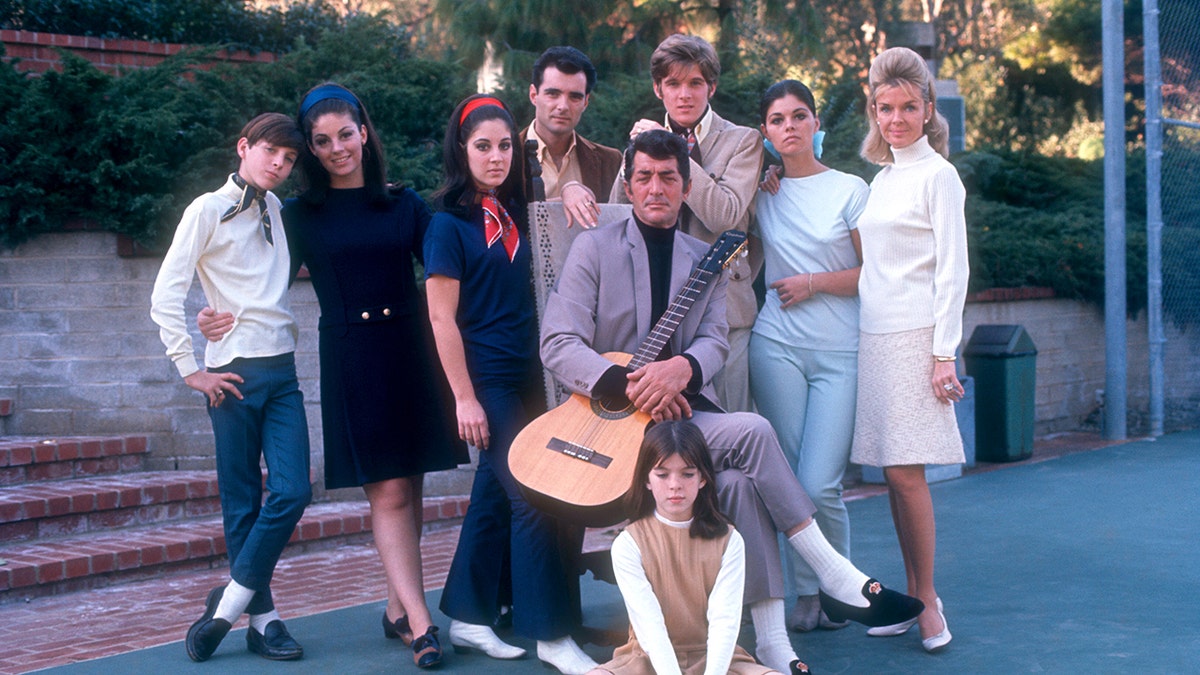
[(757, 490)]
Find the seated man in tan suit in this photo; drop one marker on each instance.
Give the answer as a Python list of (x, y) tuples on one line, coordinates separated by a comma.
[(725, 163), (574, 169), (617, 281)]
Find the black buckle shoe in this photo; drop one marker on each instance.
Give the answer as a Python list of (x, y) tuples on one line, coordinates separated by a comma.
[(799, 667), (427, 651), (886, 606), (274, 643), (206, 634)]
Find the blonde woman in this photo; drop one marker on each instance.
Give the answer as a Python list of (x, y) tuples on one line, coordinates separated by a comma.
[(912, 288)]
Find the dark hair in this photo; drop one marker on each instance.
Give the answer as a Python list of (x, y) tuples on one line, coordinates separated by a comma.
[(567, 60), (659, 144), (457, 193), (784, 88), (683, 438), (336, 100), (274, 128), (684, 50)]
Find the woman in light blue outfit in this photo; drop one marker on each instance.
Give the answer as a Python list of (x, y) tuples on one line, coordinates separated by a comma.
[(804, 346)]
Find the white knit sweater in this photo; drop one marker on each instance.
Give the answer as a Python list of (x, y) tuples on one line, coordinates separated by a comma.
[(914, 241)]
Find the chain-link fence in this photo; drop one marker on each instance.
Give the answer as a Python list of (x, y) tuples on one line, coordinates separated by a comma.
[(1179, 40)]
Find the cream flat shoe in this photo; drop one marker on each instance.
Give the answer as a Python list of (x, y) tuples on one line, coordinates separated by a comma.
[(564, 655), (939, 641), (465, 637)]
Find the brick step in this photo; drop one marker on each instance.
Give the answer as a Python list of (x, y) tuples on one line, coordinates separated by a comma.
[(29, 460), (68, 507), (40, 568)]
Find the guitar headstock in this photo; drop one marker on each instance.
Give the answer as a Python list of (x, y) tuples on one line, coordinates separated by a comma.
[(723, 250)]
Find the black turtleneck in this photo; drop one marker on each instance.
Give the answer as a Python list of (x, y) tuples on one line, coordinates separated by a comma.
[(660, 247)]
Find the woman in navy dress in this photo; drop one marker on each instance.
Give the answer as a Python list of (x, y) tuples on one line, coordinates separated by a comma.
[(481, 306), (383, 396)]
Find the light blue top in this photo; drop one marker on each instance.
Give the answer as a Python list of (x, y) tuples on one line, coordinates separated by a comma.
[(806, 228)]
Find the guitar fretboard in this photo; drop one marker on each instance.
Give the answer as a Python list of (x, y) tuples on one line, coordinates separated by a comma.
[(653, 345)]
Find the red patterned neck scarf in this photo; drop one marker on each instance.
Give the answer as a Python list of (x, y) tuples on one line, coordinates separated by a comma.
[(499, 226)]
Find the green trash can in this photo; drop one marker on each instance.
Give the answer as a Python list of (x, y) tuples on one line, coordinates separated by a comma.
[(1003, 361)]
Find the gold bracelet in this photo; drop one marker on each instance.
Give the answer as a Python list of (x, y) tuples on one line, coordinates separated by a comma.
[(945, 359), (810, 291)]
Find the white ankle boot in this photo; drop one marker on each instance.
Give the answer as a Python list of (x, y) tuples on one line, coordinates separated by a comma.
[(565, 655), (468, 636)]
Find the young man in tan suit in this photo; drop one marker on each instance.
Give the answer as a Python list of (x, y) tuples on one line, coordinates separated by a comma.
[(726, 160)]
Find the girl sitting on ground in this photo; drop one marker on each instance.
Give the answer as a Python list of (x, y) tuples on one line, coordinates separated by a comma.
[(680, 565)]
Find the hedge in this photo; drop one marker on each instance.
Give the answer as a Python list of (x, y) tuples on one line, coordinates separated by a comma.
[(128, 153)]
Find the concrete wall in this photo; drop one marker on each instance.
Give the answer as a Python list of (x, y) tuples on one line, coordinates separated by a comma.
[(1069, 336), (79, 354)]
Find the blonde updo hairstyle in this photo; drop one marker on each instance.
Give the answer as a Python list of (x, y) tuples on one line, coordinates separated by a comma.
[(902, 67)]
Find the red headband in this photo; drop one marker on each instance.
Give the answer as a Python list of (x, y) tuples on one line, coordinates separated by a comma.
[(476, 103)]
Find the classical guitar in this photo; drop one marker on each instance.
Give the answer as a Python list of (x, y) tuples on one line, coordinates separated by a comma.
[(577, 460)]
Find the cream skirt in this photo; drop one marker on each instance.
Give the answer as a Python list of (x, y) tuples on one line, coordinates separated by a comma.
[(898, 419)]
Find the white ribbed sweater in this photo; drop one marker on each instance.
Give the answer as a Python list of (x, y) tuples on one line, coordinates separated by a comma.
[(914, 241)]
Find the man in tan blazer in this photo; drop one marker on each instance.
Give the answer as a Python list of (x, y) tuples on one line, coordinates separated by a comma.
[(726, 160), (574, 169), (617, 281)]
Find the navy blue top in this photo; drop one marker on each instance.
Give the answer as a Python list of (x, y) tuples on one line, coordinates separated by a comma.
[(385, 406), (496, 312)]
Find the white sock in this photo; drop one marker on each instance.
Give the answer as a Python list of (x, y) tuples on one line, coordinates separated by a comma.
[(840, 579), (234, 601), (259, 621), (772, 647)]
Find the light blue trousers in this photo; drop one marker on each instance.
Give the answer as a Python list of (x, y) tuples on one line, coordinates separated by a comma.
[(809, 398)]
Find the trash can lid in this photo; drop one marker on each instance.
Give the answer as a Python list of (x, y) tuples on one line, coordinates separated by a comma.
[(1000, 341)]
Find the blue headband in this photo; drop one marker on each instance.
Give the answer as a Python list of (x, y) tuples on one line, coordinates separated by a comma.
[(327, 91)]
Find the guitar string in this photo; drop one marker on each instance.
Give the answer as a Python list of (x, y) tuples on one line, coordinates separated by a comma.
[(668, 323)]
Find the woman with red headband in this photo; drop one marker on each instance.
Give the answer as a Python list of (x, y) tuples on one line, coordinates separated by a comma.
[(481, 305)]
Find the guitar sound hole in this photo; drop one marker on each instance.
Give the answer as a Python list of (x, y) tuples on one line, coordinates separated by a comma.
[(612, 408)]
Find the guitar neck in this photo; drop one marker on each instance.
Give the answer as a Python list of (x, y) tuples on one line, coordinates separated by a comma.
[(653, 345)]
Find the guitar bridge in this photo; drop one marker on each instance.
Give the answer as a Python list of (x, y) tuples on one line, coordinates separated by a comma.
[(579, 452)]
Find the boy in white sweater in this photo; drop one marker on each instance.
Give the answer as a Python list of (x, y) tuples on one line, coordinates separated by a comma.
[(232, 240)]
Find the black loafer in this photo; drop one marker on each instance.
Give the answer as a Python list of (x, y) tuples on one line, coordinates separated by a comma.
[(798, 667), (206, 634), (886, 606), (274, 643), (397, 629), (427, 651)]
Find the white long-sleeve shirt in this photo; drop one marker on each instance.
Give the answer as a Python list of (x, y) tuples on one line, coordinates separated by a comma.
[(239, 272), (914, 242), (645, 613)]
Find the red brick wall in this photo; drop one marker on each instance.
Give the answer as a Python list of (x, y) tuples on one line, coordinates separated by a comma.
[(39, 52)]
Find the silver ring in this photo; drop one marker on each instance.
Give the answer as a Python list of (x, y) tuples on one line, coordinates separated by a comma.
[(948, 387)]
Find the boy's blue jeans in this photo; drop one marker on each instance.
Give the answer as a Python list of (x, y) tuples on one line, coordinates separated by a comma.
[(268, 423)]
